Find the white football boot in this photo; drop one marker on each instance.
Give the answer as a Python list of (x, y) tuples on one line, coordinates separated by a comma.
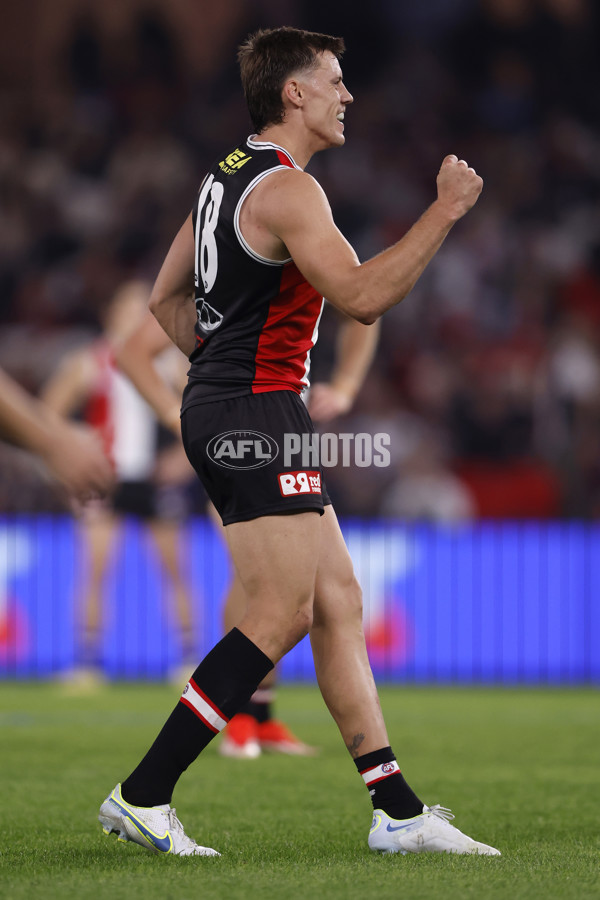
[(155, 827), (431, 832)]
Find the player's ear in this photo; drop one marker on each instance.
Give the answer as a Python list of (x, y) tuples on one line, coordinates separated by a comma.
[(293, 92)]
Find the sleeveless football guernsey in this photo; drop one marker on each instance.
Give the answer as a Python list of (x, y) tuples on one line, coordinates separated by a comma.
[(257, 318)]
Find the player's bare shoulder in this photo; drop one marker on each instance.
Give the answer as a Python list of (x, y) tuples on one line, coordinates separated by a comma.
[(272, 204), (284, 186), (289, 195)]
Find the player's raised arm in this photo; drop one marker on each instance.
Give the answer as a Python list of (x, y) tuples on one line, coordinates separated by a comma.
[(296, 210)]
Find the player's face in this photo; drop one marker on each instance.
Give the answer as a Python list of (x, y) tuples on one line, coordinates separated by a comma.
[(326, 99)]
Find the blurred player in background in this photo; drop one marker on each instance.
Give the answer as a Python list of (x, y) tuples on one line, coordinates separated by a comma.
[(71, 452), (254, 728), (87, 382)]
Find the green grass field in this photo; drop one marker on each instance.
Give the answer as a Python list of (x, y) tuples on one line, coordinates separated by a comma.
[(520, 768)]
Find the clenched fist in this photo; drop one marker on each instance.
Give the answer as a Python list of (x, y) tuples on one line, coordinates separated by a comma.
[(458, 187)]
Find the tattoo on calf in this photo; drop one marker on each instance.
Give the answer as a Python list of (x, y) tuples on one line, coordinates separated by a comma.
[(356, 742)]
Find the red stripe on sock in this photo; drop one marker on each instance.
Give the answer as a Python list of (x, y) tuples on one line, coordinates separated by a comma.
[(382, 778), (206, 699)]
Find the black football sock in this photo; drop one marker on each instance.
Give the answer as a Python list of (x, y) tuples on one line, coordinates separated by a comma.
[(387, 787), (225, 680), (259, 705)]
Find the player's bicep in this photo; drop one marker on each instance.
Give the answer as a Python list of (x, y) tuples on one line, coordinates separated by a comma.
[(304, 222)]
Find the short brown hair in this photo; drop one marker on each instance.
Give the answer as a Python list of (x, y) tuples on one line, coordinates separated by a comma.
[(268, 57)]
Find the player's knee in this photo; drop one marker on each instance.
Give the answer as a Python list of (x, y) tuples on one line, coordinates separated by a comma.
[(340, 603), (355, 599), (303, 619), (292, 629), (296, 619)]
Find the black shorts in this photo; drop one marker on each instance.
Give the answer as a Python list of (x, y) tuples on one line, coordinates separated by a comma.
[(146, 500), (242, 450)]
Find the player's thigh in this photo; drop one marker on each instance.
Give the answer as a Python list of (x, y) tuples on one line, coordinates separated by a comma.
[(215, 518), (338, 596), (276, 557)]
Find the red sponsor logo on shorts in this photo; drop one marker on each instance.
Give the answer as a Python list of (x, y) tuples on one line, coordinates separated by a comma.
[(293, 483)]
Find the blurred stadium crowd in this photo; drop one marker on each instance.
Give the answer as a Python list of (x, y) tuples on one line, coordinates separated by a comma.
[(488, 376)]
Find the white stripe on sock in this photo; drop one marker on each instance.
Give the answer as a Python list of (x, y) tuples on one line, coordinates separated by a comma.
[(378, 773), (193, 697)]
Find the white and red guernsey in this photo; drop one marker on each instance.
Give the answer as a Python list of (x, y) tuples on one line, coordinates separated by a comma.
[(257, 318)]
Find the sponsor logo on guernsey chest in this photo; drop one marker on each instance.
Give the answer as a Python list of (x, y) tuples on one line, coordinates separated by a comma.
[(234, 162)]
